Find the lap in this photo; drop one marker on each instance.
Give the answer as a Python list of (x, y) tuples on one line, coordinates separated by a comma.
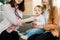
[(46, 36), (34, 31), (9, 36)]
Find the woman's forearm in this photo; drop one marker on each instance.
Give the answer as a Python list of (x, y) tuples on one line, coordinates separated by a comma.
[(27, 20), (50, 27)]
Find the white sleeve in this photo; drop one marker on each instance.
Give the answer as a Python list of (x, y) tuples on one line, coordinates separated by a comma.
[(9, 14)]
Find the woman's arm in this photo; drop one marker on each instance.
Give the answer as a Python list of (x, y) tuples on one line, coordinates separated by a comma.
[(9, 14), (53, 26), (28, 19)]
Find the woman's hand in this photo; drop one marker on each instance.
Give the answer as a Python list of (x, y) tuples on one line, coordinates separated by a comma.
[(53, 28), (11, 28), (55, 33), (19, 22)]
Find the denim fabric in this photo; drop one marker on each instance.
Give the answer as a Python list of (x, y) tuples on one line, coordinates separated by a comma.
[(33, 31)]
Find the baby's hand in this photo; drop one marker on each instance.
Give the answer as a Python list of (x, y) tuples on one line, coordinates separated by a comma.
[(34, 24)]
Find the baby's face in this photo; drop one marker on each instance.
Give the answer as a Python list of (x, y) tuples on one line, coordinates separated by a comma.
[(37, 11)]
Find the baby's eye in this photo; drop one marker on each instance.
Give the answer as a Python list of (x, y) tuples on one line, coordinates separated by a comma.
[(39, 10), (35, 10)]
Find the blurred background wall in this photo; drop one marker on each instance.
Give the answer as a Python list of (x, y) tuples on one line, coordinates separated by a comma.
[(28, 7)]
